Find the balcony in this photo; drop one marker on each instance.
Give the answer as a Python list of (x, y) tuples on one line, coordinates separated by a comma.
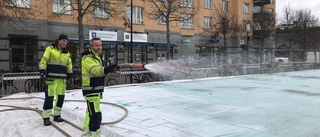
[(261, 16), (262, 33), (257, 33), (261, 2)]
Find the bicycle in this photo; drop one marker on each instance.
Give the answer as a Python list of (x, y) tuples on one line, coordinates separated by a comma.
[(8, 88), (110, 81), (32, 85), (76, 81), (70, 84), (73, 83), (139, 78)]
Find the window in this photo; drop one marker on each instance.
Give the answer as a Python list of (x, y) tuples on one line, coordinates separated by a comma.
[(270, 11), (61, 6), (137, 14), (161, 18), (207, 22), (246, 25), (101, 9), (256, 26), (225, 5), (19, 3), (137, 56), (186, 3), (256, 9), (186, 21), (208, 4), (246, 8)]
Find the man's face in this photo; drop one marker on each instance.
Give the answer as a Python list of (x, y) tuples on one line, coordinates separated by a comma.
[(97, 46), (62, 43)]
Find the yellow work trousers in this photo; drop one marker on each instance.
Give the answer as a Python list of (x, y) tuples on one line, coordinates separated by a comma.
[(56, 87)]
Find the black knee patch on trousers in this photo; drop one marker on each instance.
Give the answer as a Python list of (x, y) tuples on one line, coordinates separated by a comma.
[(45, 89), (48, 103), (95, 121), (60, 101)]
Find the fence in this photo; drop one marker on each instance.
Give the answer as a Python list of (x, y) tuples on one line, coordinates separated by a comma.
[(137, 75), (12, 83), (248, 69), (29, 82)]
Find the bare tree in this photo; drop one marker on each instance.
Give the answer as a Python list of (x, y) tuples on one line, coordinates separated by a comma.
[(264, 24), (223, 24), (313, 40), (168, 11), (13, 13), (286, 25), (102, 9), (303, 26)]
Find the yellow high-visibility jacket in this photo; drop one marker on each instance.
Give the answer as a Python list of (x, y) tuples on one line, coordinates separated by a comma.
[(92, 73), (56, 62)]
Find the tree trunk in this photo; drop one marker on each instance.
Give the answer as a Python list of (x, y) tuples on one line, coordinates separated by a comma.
[(262, 52), (80, 47), (225, 55), (290, 51), (304, 55), (168, 49), (315, 56)]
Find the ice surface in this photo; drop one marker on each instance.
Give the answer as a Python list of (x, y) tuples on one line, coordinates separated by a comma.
[(282, 104)]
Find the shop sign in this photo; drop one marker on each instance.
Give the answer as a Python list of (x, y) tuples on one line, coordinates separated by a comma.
[(183, 56), (186, 41), (135, 37), (103, 35)]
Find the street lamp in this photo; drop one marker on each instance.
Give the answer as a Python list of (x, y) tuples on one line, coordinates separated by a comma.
[(131, 52), (248, 39)]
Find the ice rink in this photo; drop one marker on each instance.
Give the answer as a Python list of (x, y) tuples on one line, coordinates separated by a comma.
[(282, 104)]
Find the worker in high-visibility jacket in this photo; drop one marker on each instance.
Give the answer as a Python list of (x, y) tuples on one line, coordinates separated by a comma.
[(93, 75), (56, 66)]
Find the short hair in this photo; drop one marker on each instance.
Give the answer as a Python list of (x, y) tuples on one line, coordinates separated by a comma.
[(93, 39)]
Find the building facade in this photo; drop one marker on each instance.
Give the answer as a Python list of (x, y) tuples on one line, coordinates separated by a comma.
[(25, 36)]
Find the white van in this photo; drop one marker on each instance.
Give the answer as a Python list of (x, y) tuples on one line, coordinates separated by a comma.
[(281, 60)]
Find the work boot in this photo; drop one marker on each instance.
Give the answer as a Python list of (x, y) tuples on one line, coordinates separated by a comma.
[(85, 132), (95, 134), (46, 122), (57, 119)]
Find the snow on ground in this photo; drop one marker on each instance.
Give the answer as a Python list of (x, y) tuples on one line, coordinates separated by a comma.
[(283, 104)]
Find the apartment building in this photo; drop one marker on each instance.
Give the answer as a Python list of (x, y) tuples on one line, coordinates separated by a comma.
[(34, 24)]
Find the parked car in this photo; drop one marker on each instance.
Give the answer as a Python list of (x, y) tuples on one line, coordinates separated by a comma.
[(281, 60)]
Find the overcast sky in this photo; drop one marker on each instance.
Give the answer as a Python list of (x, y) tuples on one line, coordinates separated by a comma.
[(313, 5)]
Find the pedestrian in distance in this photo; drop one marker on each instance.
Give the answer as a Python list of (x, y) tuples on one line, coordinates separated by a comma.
[(93, 75), (55, 66)]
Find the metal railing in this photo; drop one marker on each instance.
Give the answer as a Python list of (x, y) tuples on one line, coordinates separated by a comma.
[(12, 83), (139, 75), (29, 82)]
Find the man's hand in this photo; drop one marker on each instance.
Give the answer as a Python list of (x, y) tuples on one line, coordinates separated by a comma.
[(42, 75), (42, 72), (110, 68), (113, 67), (116, 67)]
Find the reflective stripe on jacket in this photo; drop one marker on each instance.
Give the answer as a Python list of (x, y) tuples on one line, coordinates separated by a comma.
[(92, 73), (56, 63)]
